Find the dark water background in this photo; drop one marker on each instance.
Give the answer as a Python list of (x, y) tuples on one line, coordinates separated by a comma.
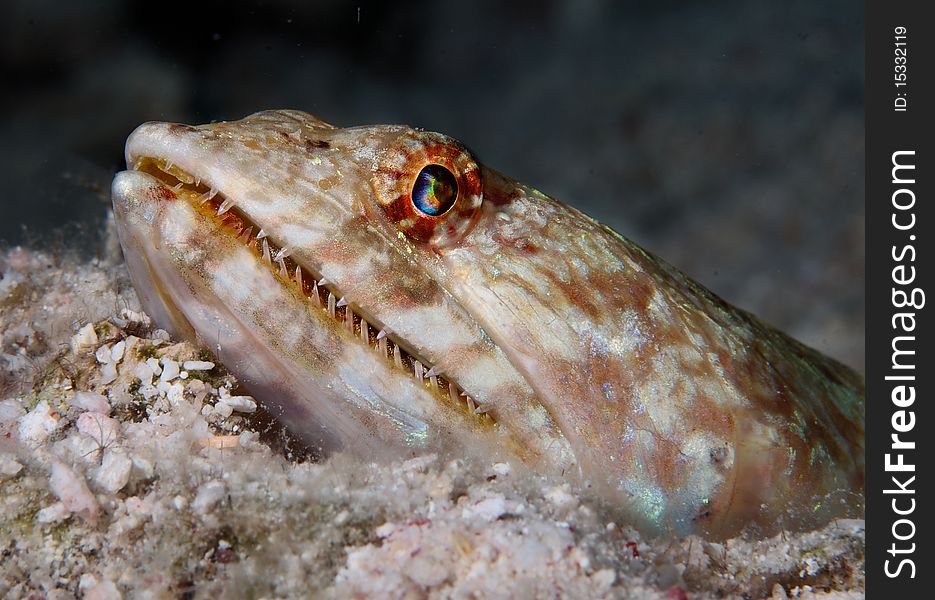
[(726, 137)]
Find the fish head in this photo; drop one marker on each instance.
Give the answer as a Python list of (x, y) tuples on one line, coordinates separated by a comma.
[(271, 241)]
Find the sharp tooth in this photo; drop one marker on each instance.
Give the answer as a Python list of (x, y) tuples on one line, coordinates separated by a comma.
[(349, 319), (433, 380), (315, 296), (381, 344), (342, 301), (245, 235), (168, 166), (225, 206), (364, 331), (266, 255), (283, 253), (207, 196), (261, 235), (331, 304), (323, 281), (453, 392), (282, 269), (470, 403), (384, 332), (197, 181), (397, 357), (177, 187), (481, 409), (434, 371), (298, 279), (417, 370)]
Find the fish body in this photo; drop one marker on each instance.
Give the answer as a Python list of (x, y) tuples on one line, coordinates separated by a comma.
[(383, 293)]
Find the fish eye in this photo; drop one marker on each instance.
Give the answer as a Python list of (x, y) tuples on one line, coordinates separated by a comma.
[(435, 190), (429, 187)]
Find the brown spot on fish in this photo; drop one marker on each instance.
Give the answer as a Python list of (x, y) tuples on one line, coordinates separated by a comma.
[(164, 193), (179, 128), (312, 145), (326, 183)]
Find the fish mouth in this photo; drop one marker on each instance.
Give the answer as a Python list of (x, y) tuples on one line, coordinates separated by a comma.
[(305, 280)]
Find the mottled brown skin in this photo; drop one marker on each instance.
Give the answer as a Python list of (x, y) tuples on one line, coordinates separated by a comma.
[(812, 396), (592, 358), (780, 426)]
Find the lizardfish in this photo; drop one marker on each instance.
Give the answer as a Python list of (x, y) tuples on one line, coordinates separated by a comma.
[(383, 294)]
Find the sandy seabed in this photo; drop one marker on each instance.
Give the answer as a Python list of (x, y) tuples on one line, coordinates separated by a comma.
[(131, 466)]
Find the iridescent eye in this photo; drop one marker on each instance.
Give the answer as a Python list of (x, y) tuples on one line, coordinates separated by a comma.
[(429, 187), (435, 190)]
